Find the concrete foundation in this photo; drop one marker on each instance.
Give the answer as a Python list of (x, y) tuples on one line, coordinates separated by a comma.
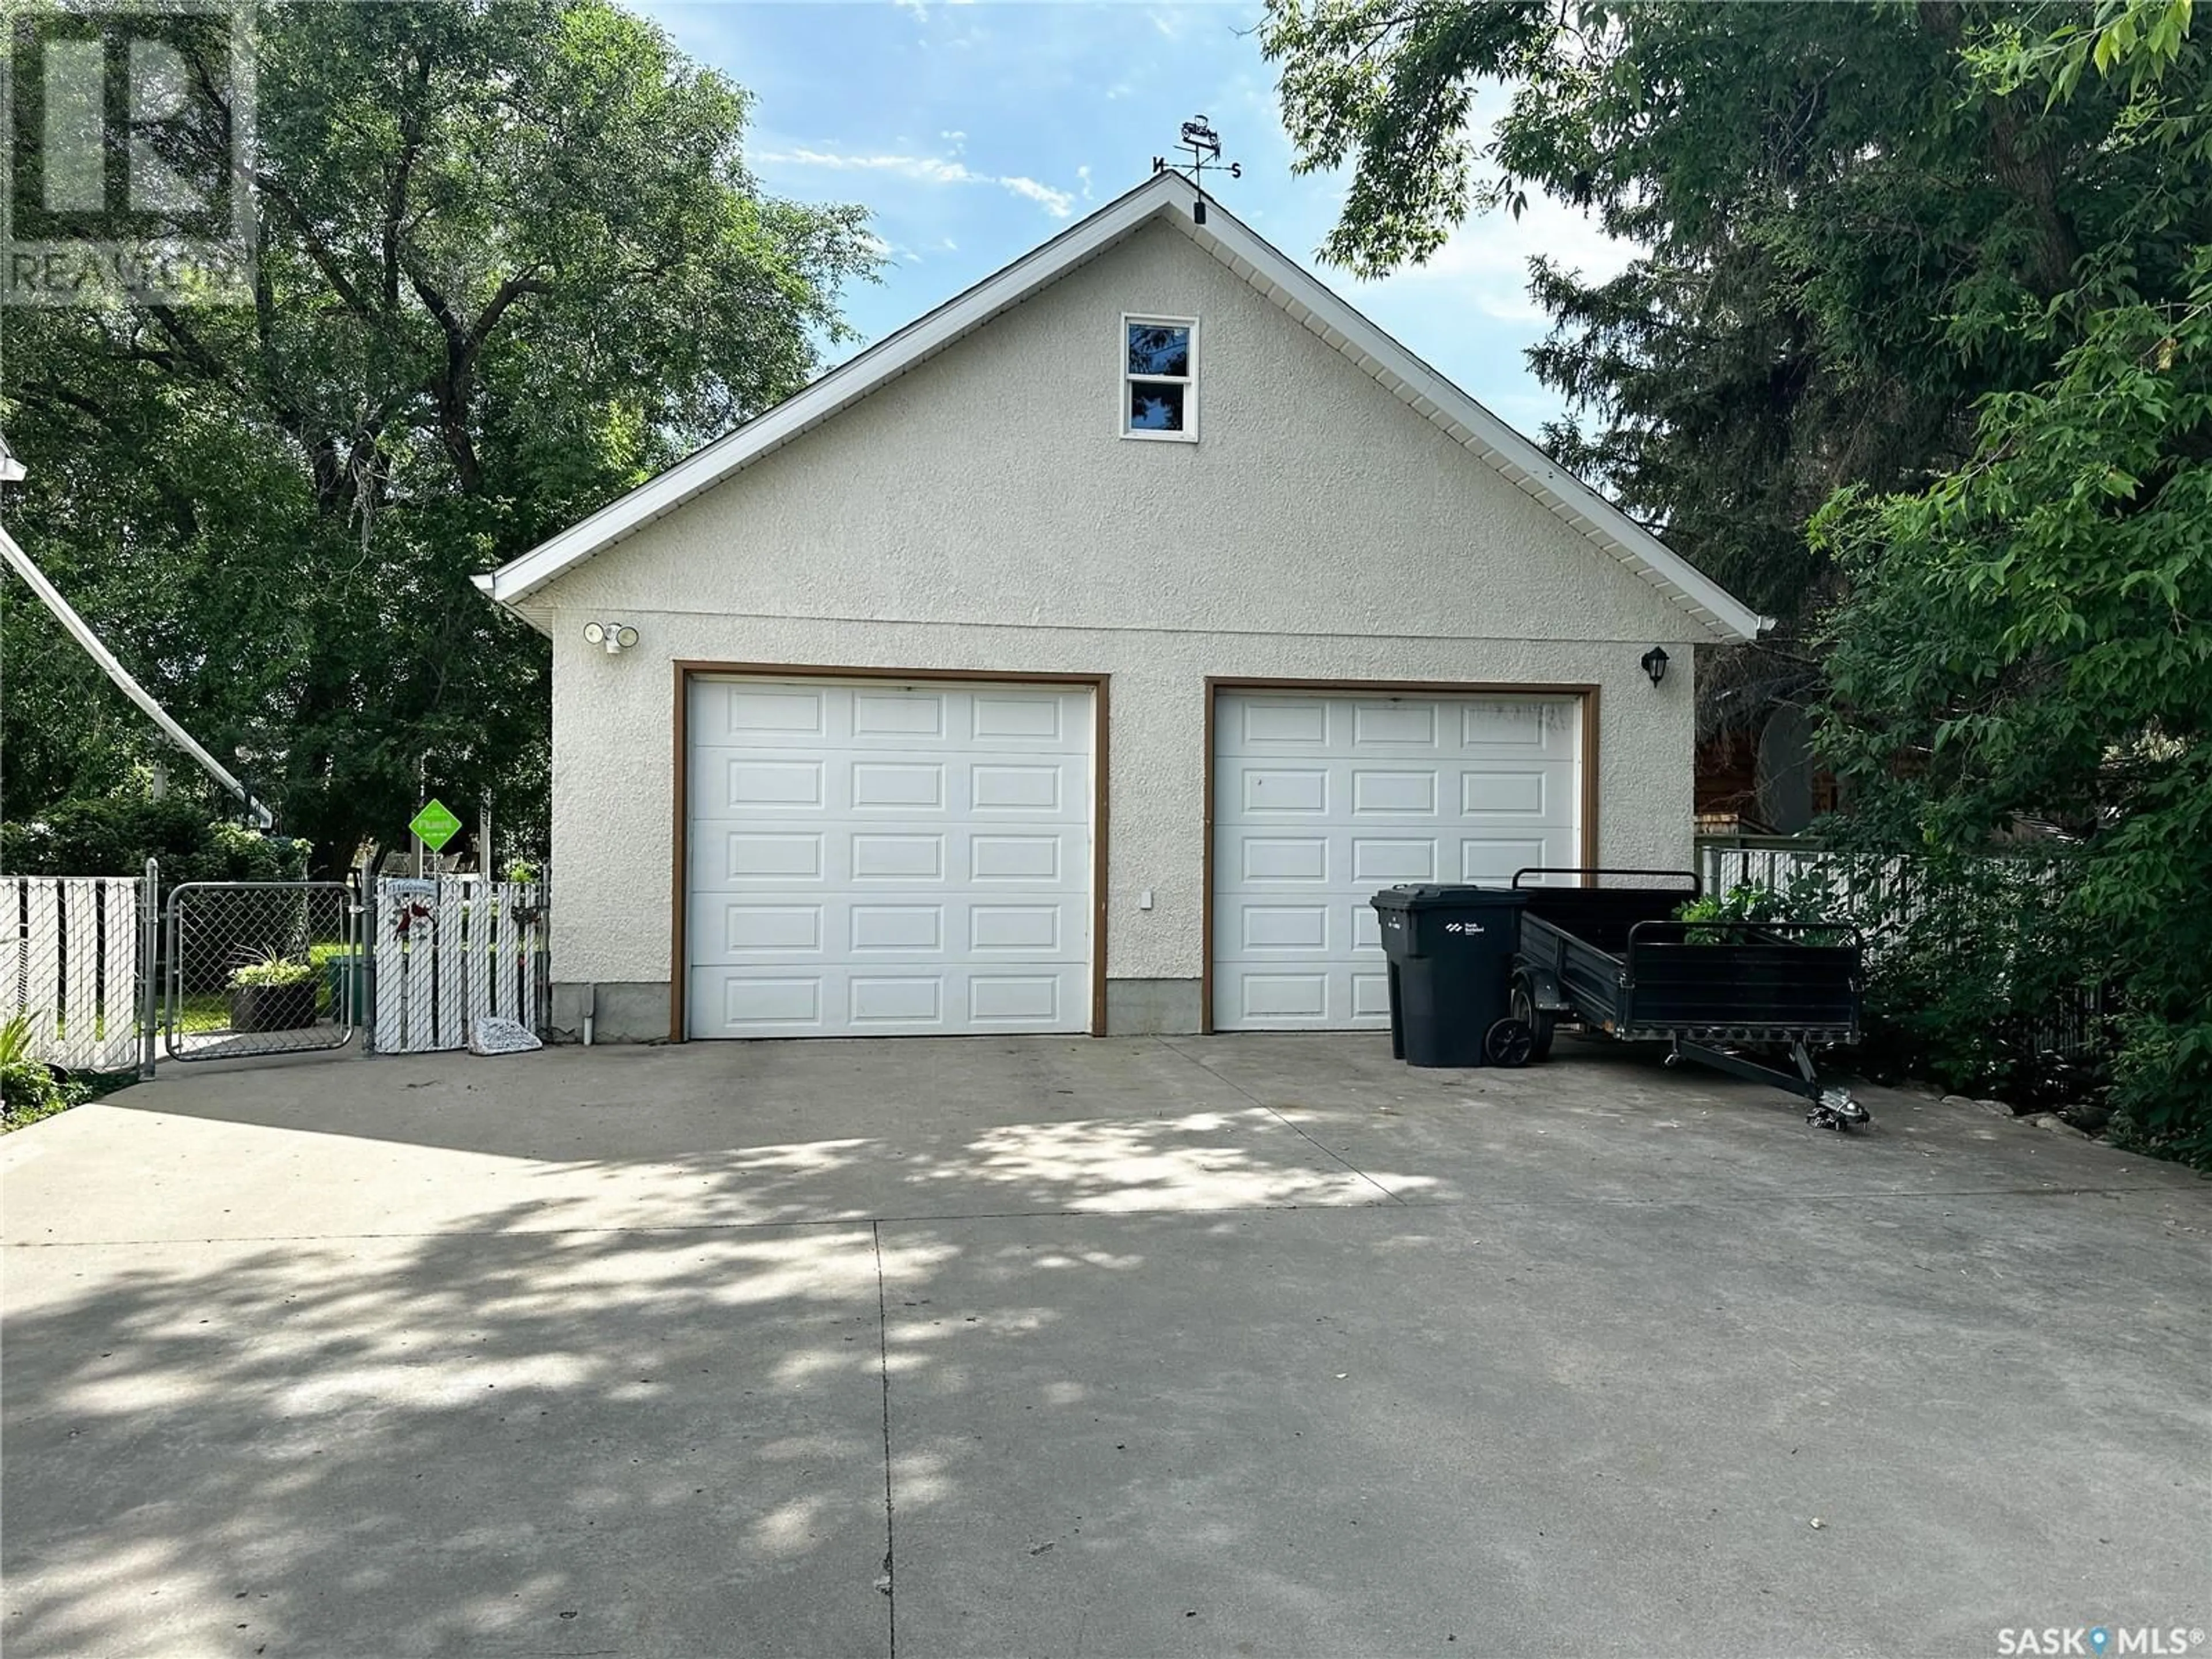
[(1152, 1007), (622, 1012)]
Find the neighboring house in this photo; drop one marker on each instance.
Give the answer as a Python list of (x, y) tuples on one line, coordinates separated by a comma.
[(1082, 657)]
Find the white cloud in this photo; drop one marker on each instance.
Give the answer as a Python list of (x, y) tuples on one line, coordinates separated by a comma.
[(915, 6), (1057, 203), (1489, 256), (927, 170)]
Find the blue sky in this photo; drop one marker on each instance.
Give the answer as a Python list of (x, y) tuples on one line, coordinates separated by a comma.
[(975, 131)]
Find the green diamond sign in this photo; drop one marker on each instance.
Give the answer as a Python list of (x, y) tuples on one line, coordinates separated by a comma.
[(436, 824)]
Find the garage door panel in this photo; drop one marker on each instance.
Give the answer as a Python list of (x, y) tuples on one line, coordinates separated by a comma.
[(1378, 794), (781, 856), (1371, 996), (1030, 720), (1491, 862), (905, 858), (779, 930), (902, 999), (1016, 1000), (1321, 800), (861, 1001), (1388, 861), (1394, 725), (1283, 792), (1299, 929), (1295, 723), (943, 930), (1510, 724), (1004, 786), (1521, 794), (780, 783), (906, 716), (1033, 930), (1365, 929), (896, 785), (790, 1002), (889, 859), (904, 928), (754, 714), (1276, 860), (1263, 997)]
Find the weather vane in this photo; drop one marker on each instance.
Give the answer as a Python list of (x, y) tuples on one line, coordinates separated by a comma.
[(1204, 144)]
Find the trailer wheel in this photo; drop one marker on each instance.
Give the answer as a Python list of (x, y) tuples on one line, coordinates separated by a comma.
[(1541, 1025), (1509, 1042)]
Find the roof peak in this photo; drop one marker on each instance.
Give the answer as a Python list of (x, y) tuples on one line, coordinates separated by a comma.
[(1169, 196)]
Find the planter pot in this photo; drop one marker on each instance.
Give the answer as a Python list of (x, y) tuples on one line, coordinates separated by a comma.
[(272, 1007)]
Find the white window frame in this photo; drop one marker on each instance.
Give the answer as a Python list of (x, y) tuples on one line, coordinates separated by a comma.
[(1125, 380)]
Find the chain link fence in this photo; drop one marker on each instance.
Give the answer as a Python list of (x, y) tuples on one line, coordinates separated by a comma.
[(449, 952), (69, 952), (261, 968)]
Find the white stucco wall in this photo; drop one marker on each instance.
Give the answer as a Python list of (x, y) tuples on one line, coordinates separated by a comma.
[(983, 513)]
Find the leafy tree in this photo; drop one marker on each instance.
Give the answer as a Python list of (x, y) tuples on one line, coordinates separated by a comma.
[(510, 263), (1821, 192), (2025, 637)]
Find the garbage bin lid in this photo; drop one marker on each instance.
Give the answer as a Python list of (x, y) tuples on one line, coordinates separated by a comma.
[(1431, 897)]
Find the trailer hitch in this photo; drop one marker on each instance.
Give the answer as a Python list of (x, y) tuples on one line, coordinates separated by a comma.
[(1831, 1107)]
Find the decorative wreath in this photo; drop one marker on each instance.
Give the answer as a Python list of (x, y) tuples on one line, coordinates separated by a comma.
[(411, 916)]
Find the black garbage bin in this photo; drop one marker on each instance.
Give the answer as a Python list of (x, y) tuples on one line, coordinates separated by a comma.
[(1451, 967)]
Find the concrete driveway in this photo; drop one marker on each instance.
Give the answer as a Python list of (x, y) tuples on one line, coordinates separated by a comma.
[(1250, 1346)]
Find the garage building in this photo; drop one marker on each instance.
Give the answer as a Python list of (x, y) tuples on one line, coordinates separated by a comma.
[(1081, 657)]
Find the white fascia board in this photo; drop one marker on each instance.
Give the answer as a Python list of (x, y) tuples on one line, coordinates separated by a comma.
[(844, 384), (1313, 302)]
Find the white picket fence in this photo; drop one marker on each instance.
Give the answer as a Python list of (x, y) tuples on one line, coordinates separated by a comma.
[(448, 951), (69, 949), (1880, 894)]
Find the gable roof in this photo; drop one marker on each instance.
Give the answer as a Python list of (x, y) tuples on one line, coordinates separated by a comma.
[(1167, 197)]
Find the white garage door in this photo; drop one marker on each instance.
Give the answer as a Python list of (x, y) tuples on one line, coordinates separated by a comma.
[(880, 857), (1320, 799)]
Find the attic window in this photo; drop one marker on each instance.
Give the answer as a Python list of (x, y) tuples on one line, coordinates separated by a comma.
[(1159, 377)]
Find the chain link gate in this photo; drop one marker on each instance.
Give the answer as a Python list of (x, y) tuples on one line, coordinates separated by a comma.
[(261, 968)]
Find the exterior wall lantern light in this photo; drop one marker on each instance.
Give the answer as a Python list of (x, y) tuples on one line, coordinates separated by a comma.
[(617, 637), (1655, 663)]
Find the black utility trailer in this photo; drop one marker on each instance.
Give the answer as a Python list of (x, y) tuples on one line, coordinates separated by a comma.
[(1614, 959)]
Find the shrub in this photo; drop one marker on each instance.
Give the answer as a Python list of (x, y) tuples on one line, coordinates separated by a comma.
[(28, 1091), (1966, 957), (114, 835), (271, 971)]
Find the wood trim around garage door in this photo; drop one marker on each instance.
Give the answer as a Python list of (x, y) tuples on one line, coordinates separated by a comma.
[(1587, 695), (678, 966)]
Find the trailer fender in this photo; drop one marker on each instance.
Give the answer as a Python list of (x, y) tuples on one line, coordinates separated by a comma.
[(1544, 989)]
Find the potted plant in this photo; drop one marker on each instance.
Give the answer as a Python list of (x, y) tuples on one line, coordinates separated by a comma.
[(275, 994)]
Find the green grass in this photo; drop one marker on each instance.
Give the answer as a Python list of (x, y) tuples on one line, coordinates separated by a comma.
[(200, 1011)]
